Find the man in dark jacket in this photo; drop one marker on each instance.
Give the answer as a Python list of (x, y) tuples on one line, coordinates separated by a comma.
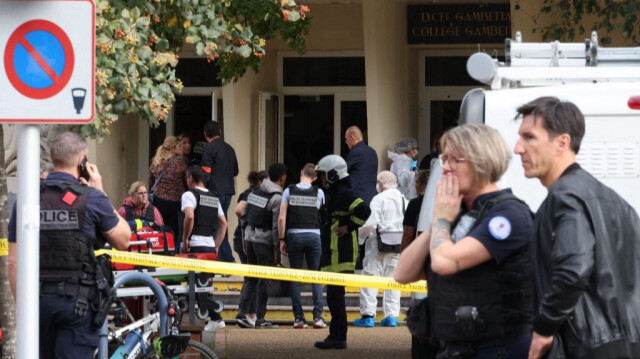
[(585, 244), (362, 165), (339, 241), (220, 166)]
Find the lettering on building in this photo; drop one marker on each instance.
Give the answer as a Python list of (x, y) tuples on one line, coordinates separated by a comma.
[(444, 24)]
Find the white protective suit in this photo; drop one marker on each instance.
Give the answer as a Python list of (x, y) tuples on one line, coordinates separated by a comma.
[(400, 167), (387, 213)]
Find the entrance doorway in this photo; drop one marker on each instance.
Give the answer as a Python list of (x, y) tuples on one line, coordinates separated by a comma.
[(314, 127)]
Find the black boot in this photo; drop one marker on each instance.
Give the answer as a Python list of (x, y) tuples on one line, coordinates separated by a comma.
[(331, 343)]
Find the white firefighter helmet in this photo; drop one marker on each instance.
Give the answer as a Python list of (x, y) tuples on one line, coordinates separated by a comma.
[(334, 166)]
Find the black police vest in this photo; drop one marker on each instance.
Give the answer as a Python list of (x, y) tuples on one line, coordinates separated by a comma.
[(258, 215), (130, 214), (501, 295), (67, 260), (303, 210), (206, 213)]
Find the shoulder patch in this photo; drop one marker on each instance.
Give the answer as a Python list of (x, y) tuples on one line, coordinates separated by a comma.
[(500, 227)]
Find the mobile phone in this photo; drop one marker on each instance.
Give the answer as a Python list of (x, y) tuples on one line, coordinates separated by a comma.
[(83, 169)]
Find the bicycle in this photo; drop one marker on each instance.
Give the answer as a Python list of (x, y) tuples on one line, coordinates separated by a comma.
[(155, 335)]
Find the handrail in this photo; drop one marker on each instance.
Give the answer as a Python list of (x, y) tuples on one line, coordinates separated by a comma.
[(161, 300)]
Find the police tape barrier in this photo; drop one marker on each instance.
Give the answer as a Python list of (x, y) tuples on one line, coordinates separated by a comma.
[(288, 274), (4, 247)]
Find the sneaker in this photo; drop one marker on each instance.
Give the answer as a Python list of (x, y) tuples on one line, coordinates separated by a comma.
[(299, 324), (214, 325), (319, 323), (252, 320), (261, 323), (245, 323), (364, 322), (389, 322), (331, 343)]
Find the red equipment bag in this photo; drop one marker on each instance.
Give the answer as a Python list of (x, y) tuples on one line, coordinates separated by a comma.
[(159, 239)]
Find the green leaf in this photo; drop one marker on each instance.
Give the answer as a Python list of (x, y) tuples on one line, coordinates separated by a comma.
[(200, 48), (244, 50), (144, 52), (192, 39), (125, 14), (294, 16), (143, 21)]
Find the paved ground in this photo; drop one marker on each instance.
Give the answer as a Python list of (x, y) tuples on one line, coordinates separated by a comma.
[(286, 342)]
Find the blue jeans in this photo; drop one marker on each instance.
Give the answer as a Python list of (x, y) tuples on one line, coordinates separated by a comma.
[(224, 252), (299, 246)]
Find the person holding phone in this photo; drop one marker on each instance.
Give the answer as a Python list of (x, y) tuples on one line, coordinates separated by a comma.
[(76, 218)]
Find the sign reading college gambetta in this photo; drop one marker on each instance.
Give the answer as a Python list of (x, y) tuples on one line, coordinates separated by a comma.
[(447, 24)]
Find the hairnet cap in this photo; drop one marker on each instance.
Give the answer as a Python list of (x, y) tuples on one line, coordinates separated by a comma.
[(405, 144)]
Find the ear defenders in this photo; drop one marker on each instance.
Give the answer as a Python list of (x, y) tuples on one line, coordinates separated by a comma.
[(332, 176)]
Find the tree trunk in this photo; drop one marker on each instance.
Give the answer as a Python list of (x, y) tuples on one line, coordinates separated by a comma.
[(7, 303)]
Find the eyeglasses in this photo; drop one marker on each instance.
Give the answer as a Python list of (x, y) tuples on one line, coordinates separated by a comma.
[(451, 160), (142, 193)]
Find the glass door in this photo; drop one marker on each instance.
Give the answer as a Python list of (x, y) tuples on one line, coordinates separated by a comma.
[(350, 110), (269, 143)]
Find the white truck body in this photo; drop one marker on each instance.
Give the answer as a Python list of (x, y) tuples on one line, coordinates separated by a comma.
[(606, 89)]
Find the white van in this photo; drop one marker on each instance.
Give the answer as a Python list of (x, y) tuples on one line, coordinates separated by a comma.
[(603, 83)]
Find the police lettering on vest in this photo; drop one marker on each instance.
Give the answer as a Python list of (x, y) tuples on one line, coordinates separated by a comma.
[(258, 215), (52, 219), (303, 210), (205, 213)]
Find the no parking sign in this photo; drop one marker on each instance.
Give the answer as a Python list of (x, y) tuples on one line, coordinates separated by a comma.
[(47, 60)]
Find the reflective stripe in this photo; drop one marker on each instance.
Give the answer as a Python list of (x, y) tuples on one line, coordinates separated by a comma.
[(138, 223), (357, 220), (355, 204), (206, 169)]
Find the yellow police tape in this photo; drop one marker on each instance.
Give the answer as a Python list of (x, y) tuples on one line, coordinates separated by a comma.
[(4, 247), (296, 275)]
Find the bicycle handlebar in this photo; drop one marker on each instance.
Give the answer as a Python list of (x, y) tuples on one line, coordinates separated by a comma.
[(161, 300)]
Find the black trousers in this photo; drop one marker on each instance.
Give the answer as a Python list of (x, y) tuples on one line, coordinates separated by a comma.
[(335, 301), (256, 288)]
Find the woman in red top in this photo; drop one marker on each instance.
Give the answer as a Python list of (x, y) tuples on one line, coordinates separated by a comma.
[(169, 164)]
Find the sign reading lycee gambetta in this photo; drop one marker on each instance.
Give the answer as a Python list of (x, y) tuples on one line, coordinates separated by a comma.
[(446, 24)]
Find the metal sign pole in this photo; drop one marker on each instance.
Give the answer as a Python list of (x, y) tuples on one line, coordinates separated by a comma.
[(28, 242)]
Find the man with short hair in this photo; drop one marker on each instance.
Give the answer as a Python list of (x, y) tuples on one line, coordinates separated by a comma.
[(362, 165), (585, 244), (220, 166), (300, 219), (261, 239), (201, 208), (76, 218)]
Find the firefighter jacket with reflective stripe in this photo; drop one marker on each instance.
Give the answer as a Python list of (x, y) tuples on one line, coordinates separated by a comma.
[(339, 253)]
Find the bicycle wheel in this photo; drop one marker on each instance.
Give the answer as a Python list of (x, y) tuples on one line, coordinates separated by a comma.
[(198, 350)]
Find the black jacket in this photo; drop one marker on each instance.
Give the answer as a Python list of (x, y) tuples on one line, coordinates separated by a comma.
[(586, 247), (220, 166)]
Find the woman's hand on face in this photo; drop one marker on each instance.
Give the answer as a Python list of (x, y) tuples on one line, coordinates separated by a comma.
[(448, 199)]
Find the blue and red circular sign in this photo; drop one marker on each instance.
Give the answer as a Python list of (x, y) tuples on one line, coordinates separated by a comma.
[(39, 59)]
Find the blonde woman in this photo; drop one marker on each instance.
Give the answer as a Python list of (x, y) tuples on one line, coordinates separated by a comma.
[(168, 181)]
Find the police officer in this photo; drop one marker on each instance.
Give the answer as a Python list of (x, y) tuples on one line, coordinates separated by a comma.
[(300, 220), (339, 240), (479, 270), (201, 211), (76, 217), (261, 240)]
